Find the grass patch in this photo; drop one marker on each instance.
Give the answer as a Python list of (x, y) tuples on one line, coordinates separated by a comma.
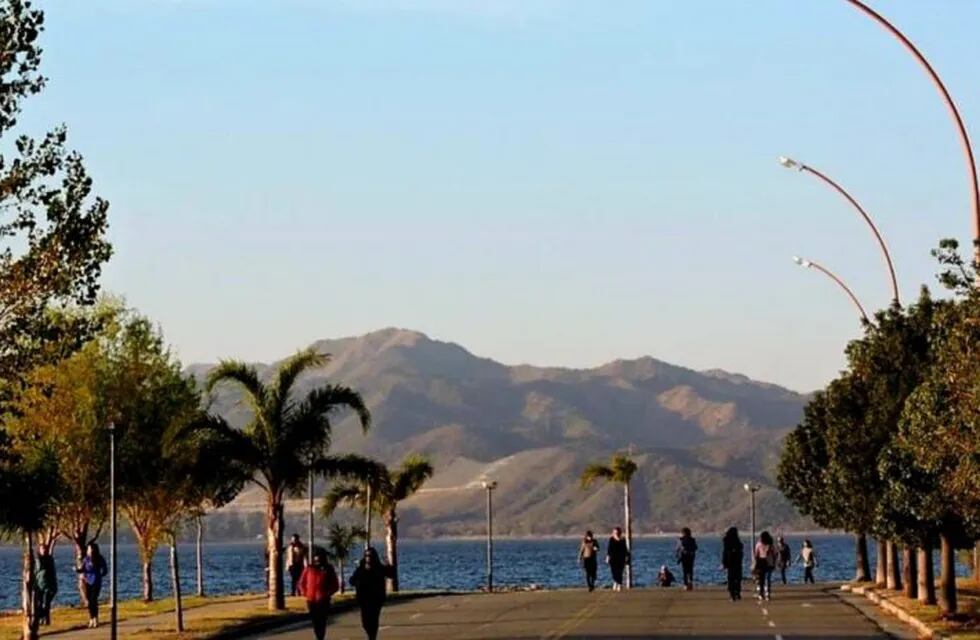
[(72, 618)]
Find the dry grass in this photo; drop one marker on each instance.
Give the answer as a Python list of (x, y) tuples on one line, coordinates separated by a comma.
[(967, 627), (72, 618)]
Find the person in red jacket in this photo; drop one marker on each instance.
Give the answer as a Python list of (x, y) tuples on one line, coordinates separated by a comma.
[(317, 583)]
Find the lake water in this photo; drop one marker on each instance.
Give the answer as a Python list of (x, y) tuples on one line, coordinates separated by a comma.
[(448, 564)]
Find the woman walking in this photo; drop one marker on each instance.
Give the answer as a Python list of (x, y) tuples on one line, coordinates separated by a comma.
[(617, 557), (46, 581), (369, 584), (317, 584), (732, 554), (809, 559), (763, 563), (687, 547), (93, 569), (588, 553)]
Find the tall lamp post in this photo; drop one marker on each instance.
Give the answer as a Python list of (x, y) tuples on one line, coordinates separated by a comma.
[(113, 591), (752, 489), (309, 556), (968, 155), (810, 264), (789, 163), (489, 486)]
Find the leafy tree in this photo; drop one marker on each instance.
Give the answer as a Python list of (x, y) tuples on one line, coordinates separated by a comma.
[(341, 540), (285, 439), (804, 477), (51, 227), (384, 488), (29, 481), (620, 470)]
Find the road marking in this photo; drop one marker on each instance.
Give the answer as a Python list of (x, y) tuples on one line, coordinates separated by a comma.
[(585, 613), (415, 616), (772, 624), (807, 604), (765, 611), (779, 637)]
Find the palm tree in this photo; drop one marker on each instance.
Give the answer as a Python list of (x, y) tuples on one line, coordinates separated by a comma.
[(381, 490), (619, 470), (286, 438), (340, 543)]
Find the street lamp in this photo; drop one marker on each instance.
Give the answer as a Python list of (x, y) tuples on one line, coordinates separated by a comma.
[(489, 486), (752, 488), (114, 596), (971, 164), (810, 264), (789, 163)]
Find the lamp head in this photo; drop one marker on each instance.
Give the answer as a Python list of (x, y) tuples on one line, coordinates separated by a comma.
[(806, 264), (489, 484), (789, 163)]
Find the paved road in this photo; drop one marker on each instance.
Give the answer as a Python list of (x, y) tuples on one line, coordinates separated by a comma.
[(795, 613)]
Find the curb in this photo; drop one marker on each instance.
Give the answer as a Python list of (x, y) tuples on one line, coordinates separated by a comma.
[(923, 629)]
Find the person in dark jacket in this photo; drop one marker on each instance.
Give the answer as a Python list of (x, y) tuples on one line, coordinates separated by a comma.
[(369, 584), (617, 557), (665, 578), (732, 555), (317, 583), (92, 569), (46, 583), (784, 557), (588, 553), (685, 552)]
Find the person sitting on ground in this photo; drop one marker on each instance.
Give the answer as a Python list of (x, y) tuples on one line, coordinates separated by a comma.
[(665, 578)]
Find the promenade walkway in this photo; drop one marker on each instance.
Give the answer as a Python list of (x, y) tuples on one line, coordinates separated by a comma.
[(795, 613)]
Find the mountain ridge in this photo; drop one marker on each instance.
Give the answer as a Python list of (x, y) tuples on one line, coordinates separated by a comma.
[(700, 434)]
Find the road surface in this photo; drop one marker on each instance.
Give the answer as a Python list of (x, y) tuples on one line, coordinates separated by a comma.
[(795, 613)]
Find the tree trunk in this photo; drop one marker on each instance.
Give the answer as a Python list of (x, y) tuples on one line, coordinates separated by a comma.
[(893, 578), (367, 517), (629, 535), (31, 621), (274, 516), (80, 544), (148, 579), (927, 581), (863, 568), (947, 576), (881, 564), (199, 551), (976, 562), (909, 578), (340, 571), (175, 579), (391, 544)]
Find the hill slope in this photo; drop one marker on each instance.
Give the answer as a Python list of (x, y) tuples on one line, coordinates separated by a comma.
[(697, 436)]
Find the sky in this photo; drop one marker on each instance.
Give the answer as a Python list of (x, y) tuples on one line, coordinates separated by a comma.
[(542, 181)]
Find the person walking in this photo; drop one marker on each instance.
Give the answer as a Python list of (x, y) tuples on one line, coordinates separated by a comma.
[(763, 563), (685, 552), (808, 558), (732, 554), (92, 570), (317, 583), (784, 557), (46, 583), (369, 584), (296, 560), (588, 557), (617, 557)]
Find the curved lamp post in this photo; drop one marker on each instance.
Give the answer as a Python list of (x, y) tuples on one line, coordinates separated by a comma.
[(810, 264), (789, 163), (489, 486), (971, 164), (752, 489)]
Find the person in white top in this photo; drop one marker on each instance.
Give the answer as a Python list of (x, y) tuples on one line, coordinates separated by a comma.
[(808, 558)]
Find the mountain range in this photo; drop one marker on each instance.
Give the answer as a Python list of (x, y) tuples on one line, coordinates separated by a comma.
[(697, 437)]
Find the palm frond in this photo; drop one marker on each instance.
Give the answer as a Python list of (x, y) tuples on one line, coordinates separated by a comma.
[(596, 471), (415, 469), (623, 467), (220, 438), (246, 377), (343, 494), (352, 468), (328, 399), (288, 373)]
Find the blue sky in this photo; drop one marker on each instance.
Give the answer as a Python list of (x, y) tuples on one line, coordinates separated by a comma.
[(548, 182)]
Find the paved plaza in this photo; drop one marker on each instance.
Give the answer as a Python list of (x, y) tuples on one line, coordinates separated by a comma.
[(794, 613)]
